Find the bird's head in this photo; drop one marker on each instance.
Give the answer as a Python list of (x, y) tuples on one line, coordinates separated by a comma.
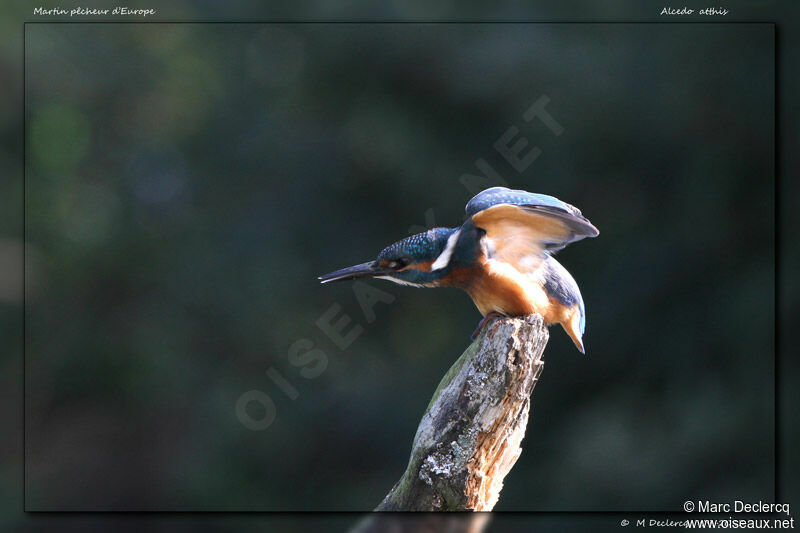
[(421, 260)]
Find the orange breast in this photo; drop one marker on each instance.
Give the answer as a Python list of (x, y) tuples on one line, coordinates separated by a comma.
[(500, 294), (495, 286)]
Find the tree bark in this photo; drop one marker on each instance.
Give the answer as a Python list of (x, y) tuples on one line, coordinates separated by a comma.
[(469, 437)]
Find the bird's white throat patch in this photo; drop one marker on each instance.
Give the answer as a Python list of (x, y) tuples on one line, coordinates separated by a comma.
[(401, 281), (444, 258)]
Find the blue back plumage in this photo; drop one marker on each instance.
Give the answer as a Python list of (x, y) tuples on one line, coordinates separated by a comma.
[(559, 284)]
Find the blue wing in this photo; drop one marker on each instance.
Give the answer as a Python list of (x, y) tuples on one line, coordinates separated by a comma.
[(553, 224), (502, 195)]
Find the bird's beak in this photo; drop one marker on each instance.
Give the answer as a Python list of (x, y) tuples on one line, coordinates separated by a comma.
[(364, 270)]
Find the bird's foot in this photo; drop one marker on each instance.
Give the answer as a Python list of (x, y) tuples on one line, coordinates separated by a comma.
[(482, 323)]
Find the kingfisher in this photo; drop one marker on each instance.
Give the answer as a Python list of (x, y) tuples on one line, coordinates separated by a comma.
[(502, 256)]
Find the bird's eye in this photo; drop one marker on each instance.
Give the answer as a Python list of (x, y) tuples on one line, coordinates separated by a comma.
[(397, 264)]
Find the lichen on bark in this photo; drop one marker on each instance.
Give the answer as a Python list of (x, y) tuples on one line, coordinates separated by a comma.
[(470, 435)]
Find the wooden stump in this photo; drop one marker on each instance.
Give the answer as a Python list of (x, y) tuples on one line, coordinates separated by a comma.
[(470, 435)]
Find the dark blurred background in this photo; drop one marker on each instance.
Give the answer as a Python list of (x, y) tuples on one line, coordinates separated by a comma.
[(185, 185)]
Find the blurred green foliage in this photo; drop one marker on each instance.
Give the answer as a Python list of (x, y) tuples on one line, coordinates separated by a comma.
[(187, 183)]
